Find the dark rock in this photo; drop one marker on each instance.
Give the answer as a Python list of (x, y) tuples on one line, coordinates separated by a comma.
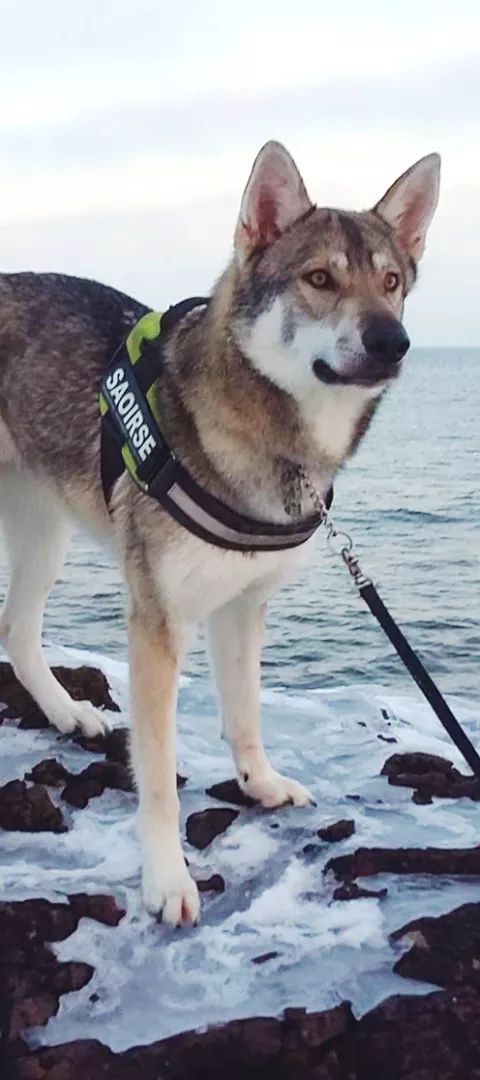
[(351, 891), (50, 772), (416, 763), (431, 1037), (312, 849), (203, 827), (87, 684), (445, 950), (230, 791), (114, 744), (262, 959), (387, 738), (258, 1048), (421, 798), (83, 684), (443, 787), (215, 883), (84, 1059), (367, 861), (93, 744), (93, 781), (101, 907), (436, 1037), (31, 922), (117, 745), (78, 794), (28, 923), (32, 979), (340, 830), (28, 809), (96, 778), (430, 775), (33, 1010)]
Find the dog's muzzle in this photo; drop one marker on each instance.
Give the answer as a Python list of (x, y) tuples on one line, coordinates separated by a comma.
[(385, 343)]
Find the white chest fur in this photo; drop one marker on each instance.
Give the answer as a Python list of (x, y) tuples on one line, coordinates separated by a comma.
[(197, 578)]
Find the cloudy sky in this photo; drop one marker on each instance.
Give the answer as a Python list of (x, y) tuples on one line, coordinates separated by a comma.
[(128, 128)]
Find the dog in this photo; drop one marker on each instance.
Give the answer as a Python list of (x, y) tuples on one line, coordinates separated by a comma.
[(265, 392)]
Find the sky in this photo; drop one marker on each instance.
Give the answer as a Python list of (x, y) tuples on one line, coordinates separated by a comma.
[(128, 129)]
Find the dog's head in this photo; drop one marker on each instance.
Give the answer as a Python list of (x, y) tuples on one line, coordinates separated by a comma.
[(320, 292)]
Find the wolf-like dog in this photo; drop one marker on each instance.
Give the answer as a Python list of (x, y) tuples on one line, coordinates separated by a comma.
[(264, 394)]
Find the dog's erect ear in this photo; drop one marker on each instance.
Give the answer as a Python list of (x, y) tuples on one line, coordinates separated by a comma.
[(410, 203), (274, 198)]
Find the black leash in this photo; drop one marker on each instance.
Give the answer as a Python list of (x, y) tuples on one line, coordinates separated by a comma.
[(412, 662)]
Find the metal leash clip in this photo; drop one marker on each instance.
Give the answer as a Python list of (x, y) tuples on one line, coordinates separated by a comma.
[(343, 550)]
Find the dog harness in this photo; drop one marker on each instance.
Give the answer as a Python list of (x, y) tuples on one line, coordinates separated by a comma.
[(132, 440)]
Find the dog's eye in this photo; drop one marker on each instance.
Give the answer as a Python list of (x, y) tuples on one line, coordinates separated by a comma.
[(320, 279), (391, 281)]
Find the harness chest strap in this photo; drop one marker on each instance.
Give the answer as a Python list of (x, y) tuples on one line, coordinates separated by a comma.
[(132, 440)]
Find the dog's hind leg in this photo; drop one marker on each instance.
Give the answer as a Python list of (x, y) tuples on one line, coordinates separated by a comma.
[(235, 639), (36, 536)]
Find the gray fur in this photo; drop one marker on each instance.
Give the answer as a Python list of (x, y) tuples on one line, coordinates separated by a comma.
[(236, 423)]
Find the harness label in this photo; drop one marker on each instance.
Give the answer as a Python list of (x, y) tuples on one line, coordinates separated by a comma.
[(126, 405)]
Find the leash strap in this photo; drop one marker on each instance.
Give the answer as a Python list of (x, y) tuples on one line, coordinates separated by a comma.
[(407, 655), (132, 440), (423, 680)]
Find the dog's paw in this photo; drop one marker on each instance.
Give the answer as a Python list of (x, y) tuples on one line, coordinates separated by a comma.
[(78, 716), (272, 789), (172, 897)]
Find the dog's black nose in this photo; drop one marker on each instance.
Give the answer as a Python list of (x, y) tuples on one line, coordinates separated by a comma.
[(384, 340)]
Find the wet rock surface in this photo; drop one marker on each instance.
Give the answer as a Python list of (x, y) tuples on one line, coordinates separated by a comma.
[(436, 1037), (114, 744), (340, 830), (351, 891), (31, 977), (27, 808), (93, 781), (260, 1048), (215, 883), (85, 785), (50, 772), (445, 950), (230, 791), (204, 826), (367, 861), (89, 783), (265, 957), (430, 776), (83, 683)]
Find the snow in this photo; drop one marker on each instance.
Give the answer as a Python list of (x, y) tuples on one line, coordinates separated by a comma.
[(151, 981)]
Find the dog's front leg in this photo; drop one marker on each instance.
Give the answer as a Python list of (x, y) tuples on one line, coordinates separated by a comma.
[(156, 648), (235, 635)]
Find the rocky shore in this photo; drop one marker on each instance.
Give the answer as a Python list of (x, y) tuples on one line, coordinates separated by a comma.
[(433, 1036)]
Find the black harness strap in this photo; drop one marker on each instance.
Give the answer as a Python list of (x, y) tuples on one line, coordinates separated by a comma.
[(132, 440)]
